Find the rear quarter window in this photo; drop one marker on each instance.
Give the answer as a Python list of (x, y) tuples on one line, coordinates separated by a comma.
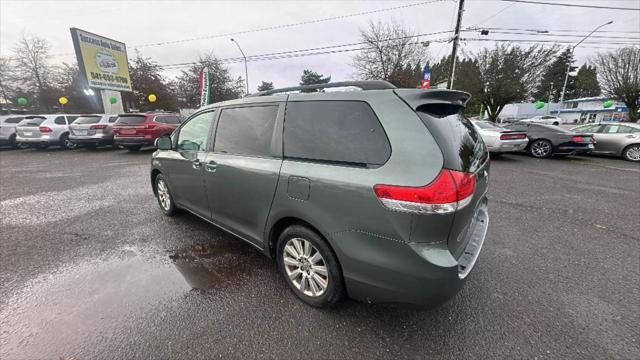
[(168, 119), (60, 120), (345, 132)]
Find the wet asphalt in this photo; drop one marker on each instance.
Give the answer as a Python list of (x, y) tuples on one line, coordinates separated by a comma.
[(91, 269)]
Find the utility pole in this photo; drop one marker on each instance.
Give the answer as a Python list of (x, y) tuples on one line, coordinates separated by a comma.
[(456, 39)]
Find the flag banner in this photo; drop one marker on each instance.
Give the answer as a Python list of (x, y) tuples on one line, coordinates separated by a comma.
[(205, 87), (425, 83)]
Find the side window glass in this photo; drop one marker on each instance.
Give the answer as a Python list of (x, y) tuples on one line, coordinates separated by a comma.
[(113, 119), (71, 119), (335, 131), (194, 134), (625, 129), (611, 129), (60, 120), (246, 130)]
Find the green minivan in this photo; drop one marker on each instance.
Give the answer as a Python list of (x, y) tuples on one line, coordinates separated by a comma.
[(377, 194)]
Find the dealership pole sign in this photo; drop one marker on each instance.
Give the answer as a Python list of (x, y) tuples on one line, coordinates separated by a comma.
[(205, 87), (102, 61)]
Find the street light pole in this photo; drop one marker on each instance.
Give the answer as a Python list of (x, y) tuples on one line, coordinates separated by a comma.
[(246, 72), (566, 75)]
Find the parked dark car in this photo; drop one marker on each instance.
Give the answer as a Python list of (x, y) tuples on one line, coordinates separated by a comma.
[(548, 140), (377, 194), (133, 131)]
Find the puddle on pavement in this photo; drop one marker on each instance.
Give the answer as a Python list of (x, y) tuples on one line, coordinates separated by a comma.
[(73, 306)]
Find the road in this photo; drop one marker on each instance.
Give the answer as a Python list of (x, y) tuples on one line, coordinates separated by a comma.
[(90, 268)]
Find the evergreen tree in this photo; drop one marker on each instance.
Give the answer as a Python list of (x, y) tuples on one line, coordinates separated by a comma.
[(264, 86), (311, 78), (553, 78), (586, 83)]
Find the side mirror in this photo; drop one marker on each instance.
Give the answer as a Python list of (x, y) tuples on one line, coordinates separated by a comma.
[(163, 143)]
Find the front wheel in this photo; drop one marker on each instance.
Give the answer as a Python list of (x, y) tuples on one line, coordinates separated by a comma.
[(540, 149), (163, 194), (632, 153), (309, 266)]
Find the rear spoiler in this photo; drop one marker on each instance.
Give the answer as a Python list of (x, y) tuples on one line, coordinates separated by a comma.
[(418, 97)]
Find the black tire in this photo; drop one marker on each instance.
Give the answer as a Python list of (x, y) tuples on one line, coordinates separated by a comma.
[(556, 123), (541, 148), (12, 141), (66, 143), (42, 146), (133, 148), (334, 290), (170, 209), (629, 153)]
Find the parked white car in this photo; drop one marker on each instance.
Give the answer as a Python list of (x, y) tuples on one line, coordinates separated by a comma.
[(43, 131), (500, 140), (544, 119), (8, 125)]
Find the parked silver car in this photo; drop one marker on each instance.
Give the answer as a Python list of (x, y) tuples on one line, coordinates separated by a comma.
[(92, 130), (619, 139), (43, 131), (500, 140), (8, 129)]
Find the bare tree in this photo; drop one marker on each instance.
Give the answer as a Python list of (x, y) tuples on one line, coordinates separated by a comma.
[(390, 52), (31, 55), (7, 79), (509, 73), (619, 73)]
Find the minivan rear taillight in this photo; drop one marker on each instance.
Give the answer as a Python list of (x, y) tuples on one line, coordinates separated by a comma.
[(450, 191), (44, 129)]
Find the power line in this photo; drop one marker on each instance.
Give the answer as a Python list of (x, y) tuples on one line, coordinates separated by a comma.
[(571, 5), (556, 30), (554, 41), (562, 35), (282, 26)]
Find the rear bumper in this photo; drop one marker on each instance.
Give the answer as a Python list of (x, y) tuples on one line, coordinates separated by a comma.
[(133, 140), (39, 140), (381, 270), (511, 146), (573, 149), (91, 140)]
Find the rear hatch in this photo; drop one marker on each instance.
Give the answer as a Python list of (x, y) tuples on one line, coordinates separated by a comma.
[(30, 127), (463, 151), (86, 125), (130, 125)]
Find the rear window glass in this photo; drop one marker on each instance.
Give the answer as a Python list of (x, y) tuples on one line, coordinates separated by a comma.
[(87, 120), (131, 120), (460, 143), (13, 120), (32, 122), (168, 119), (246, 130), (335, 131)]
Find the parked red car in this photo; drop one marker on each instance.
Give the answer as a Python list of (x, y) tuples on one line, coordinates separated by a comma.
[(133, 131)]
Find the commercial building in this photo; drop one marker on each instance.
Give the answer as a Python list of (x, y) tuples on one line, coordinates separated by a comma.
[(592, 110)]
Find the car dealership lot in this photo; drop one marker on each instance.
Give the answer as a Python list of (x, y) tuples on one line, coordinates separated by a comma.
[(92, 269)]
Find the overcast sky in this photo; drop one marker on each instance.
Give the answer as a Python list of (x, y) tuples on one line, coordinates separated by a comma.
[(144, 22)]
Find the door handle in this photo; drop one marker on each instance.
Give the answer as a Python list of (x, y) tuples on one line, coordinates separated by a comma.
[(211, 166), (196, 164)]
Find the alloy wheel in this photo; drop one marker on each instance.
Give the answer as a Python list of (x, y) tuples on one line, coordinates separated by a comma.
[(305, 267), (633, 153), (163, 195), (540, 148)]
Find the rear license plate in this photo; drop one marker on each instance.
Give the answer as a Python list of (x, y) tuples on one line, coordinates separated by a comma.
[(81, 132), (27, 133), (127, 131)]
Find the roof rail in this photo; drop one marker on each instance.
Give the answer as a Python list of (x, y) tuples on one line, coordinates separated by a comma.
[(364, 85)]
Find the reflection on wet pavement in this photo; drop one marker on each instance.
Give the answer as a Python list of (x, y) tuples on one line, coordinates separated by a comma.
[(207, 266), (100, 297)]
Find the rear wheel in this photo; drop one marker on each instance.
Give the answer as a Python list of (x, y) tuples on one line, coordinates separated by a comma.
[(632, 153), (309, 266), (68, 144), (540, 148), (12, 141), (133, 148), (163, 194)]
